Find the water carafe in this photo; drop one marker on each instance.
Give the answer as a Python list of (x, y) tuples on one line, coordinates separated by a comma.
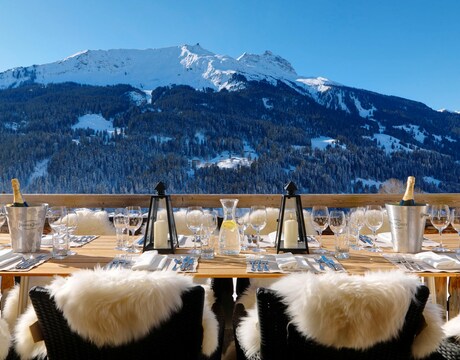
[(229, 236)]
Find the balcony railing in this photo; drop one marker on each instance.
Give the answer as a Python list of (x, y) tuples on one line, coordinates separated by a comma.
[(212, 200)]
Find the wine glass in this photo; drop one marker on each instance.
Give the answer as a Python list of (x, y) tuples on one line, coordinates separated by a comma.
[(2, 220), (337, 222), (455, 222), (440, 218), (70, 226), (55, 216), (258, 220), (209, 222), (242, 216), (357, 221), (135, 219), (374, 221), (193, 218), (320, 218), (120, 221)]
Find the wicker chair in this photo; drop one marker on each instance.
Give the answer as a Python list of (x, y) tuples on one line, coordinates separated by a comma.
[(281, 340), (179, 337)]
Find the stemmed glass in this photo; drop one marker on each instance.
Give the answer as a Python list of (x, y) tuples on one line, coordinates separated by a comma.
[(320, 218), (258, 220), (208, 223), (71, 226), (440, 218), (242, 221), (455, 222), (56, 220), (357, 221), (135, 219), (120, 221), (2, 220), (193, 218), (374, 221), (337, 222)]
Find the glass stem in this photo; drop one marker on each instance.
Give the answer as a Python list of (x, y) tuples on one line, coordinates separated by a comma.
[(440, 239), (258, 239), (320, 239)]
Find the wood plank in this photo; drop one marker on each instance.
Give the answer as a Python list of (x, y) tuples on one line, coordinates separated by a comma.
[(212, 200), (454, 297)]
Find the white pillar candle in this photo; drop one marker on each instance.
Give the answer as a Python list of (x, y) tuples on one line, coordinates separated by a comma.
[(160, 234), (291, 233)]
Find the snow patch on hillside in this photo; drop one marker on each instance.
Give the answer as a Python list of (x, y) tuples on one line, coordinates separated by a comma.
[(367, 182), (95, 122), (432, 180), (323, 142), (389, 143), (40, 170), (413, 130), (364, 113)]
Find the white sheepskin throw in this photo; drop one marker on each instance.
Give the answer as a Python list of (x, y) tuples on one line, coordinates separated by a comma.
[(5, 339), (91, 222), (114, 307), (355, 312), (452, 328)]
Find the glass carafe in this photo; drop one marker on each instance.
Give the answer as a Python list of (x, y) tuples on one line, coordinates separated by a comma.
[(229, 236)]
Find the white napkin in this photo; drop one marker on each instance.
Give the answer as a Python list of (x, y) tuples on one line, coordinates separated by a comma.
[(440, 262), (286, 262), (384, 240), (145, 261), (7, 256)]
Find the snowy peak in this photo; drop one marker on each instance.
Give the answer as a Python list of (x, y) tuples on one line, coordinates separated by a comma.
[(150, 68)]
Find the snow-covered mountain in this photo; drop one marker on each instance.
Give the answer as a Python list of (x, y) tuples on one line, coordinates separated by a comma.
[(178, 65)]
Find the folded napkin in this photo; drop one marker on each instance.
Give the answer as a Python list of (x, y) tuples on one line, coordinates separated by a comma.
[(7, 257), (145, 261), (287, 262), (440, 262)]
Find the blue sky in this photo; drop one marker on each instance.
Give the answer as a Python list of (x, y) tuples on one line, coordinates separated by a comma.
[(408, 48)]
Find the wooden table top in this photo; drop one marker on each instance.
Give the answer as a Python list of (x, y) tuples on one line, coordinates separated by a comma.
[(101, 251)]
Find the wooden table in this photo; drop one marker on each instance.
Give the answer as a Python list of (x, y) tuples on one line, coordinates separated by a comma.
[(101, 251)]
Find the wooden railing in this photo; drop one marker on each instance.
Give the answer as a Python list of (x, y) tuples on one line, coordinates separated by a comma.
[(212, 200)]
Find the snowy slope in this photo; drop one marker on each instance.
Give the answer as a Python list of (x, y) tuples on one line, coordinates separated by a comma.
[(181, 65)]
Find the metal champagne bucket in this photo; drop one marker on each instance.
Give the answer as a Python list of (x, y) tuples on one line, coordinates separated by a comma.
[(26, 227), (407, 225)]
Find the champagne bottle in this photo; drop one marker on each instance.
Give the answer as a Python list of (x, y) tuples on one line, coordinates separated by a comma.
[(408, 198), (18, 201)]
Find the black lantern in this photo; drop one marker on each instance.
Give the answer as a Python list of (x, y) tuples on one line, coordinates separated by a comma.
[(291, 235), (160, 231)]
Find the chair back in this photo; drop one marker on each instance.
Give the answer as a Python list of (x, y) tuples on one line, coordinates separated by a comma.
[(179, 337), (281, 340)]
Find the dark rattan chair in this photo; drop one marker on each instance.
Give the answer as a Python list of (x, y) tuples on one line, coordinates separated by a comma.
[(449, 349), (281, 340), (180, 337)]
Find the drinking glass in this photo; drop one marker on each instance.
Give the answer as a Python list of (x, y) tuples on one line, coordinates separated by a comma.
[(337, 222), (242, 217), (135, 219), (374, 221), (2, 220), (258, 220), (71, 226), (120, 221), (357, 221), (455, 222), (320, 218), (440, 218), (56, 219), (193, 218), (208, 226)]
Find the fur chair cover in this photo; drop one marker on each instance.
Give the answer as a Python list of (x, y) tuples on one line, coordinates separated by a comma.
[(452, 328), (93, 223), (99, 303), (5, 339), (355, 312)]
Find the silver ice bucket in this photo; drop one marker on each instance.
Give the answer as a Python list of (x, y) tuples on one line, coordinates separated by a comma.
[(26, 227), (407, 224)]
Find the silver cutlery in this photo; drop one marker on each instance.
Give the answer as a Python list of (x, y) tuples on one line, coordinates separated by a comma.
[(26, 263), (330, 263)]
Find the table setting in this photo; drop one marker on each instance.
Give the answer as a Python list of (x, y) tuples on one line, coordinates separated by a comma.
[(153, 261), (11, 261)]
